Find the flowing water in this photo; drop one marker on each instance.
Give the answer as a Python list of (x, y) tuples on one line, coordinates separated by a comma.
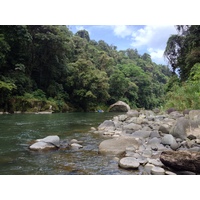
[(18, 130)]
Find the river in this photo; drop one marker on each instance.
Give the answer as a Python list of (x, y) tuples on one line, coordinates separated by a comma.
[(18, 130)]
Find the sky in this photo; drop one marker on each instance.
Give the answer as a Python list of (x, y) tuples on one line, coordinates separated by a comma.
[(143, 25), (149, 39)]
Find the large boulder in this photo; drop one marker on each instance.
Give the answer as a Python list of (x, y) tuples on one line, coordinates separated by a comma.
[(117, 146), (49, 142), (194, 115), (179, 128), (52, 139), (119, 106), (181, 160), (183, 127)]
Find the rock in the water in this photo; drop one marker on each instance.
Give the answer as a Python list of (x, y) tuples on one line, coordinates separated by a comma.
[(42, 146), (52, 139), (119, 106), (76, 146), (49, 142), (76, 141), (117, 146), (157, 171), (93, 129), (129, 162), (181, 160), (64, 144)]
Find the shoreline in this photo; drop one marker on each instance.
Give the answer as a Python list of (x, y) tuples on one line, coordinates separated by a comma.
[(153, 143), (20, 112)]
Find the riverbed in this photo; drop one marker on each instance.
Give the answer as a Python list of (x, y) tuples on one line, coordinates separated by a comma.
[(18, 130)]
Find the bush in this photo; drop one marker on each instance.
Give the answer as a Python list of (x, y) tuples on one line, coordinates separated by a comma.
[(184, 97)]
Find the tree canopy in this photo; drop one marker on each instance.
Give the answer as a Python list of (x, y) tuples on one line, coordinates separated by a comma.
[(42, 65), (183, 53)]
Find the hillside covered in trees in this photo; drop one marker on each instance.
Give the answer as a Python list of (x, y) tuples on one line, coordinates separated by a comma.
[(49, 65)]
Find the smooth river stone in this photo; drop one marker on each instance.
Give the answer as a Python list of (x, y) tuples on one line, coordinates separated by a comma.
[(157, 171), (52, 139), (117, 146), (76, 146), (129, 162), (41, 146)]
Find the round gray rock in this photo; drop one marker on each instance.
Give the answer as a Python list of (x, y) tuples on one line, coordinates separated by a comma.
[(157, 171), (52, 139), (107, 125), (141, 134), (117, 146), (178, 130), (168, 139), (42, 146), (129, 162), (76, 146)]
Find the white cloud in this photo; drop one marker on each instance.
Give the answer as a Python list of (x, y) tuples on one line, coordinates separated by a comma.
[(157, 55), (153, 38), (122, 30), (78, 28)]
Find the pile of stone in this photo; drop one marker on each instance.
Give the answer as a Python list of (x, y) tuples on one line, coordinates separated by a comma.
[(154, 143), (53, 142)]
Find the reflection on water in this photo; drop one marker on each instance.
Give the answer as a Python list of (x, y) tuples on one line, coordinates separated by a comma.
[(18, 130)]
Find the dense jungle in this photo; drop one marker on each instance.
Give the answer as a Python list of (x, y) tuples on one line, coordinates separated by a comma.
[(46, 67)]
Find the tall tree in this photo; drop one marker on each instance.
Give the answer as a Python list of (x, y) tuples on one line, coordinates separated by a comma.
[(183, 50)]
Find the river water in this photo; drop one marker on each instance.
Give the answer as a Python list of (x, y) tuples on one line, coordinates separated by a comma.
[(18, 130)]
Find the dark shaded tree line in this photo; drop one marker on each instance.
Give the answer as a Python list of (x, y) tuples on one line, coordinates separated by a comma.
[(49, 65)]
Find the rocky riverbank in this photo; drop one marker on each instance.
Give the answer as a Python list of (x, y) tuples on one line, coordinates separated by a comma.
[(153, 143)]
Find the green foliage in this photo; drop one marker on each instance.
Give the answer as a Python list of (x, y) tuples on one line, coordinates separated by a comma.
[(183, 53), (195, 73), (83, 34), (186, 96), (183, 50), (6, 86), (49, 65)]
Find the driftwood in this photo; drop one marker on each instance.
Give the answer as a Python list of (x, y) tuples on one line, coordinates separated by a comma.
[(181, 160)]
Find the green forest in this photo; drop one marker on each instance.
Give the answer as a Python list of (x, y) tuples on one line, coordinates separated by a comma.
[(44, 66)]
